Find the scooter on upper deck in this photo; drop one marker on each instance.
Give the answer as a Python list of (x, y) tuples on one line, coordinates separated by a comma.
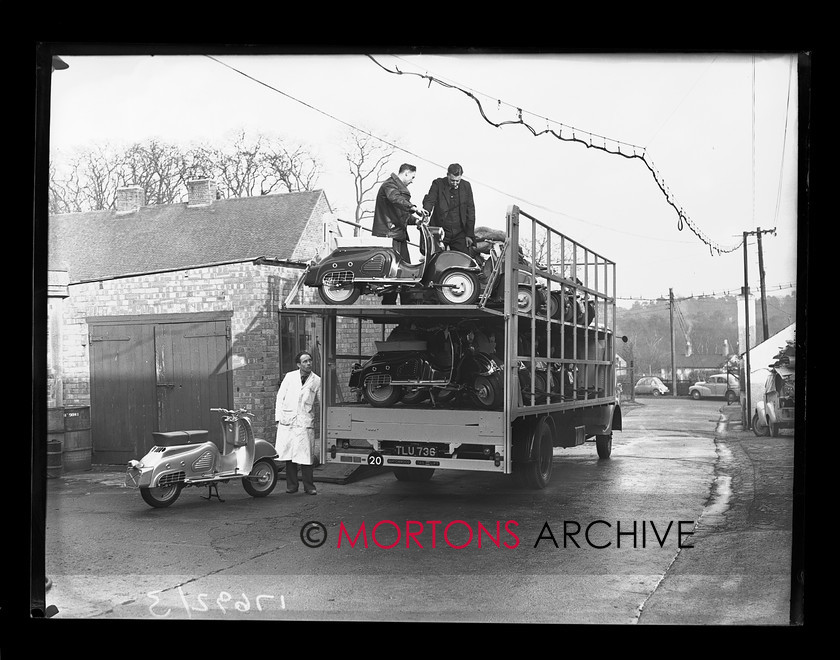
[(189, 458), (372, 265)]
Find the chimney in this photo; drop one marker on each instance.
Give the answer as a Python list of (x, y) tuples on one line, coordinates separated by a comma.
[(130, 199), (202, 192)]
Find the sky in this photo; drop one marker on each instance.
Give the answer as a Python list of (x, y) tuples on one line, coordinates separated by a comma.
[(719, 129)]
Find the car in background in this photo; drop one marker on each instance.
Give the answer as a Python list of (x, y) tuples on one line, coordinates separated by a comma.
[(650, 385), (776, 410), (724, 386)]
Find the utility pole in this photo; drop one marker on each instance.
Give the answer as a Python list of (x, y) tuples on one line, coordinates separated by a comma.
[(673, 349), (758, 232), (765, 325), (746, 290), (747, 421)]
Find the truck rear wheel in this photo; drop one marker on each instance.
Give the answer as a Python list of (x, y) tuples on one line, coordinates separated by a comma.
[(603, 443), (536, 473)]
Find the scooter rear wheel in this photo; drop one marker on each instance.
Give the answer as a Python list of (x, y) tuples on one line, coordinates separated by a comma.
[(382, 396), (161, 496), (338, 295)]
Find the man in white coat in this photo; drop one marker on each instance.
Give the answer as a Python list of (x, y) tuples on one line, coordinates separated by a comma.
[(295, 419)]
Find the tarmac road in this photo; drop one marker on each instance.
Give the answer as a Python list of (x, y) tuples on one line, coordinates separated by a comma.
[(111, 556)]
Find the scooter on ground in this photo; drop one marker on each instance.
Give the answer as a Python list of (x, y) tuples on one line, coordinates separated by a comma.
[(188, 458)]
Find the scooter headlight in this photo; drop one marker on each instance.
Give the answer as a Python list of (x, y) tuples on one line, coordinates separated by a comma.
[(134, 464)]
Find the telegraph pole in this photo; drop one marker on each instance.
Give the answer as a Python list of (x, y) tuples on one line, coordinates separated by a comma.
[(748, 416), (746, 290), (673, 349), (765, 325), (757, 233)]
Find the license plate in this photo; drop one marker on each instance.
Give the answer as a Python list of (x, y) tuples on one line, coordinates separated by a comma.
[(424, 451)]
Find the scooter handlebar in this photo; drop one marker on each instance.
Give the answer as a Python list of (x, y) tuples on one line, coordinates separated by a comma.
[(240, 413)]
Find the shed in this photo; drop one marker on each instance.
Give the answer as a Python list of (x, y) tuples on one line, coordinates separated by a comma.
[(166, 311)]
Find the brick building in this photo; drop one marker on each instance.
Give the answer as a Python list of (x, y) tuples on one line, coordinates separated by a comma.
[(158, 313)]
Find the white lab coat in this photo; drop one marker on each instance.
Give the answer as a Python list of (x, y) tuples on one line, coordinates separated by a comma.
[(294, 412)]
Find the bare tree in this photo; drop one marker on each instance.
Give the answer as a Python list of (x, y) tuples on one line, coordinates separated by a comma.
[(250, 166), (367, 159), (243, 167), (156, 167), (294, 170), (86, 181)]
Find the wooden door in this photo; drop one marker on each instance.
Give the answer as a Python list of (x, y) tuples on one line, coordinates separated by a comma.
[(123, 407), (191, 376), (155, 376)]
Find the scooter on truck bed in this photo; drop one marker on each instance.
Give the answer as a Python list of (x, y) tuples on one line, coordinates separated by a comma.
[(372, 265)]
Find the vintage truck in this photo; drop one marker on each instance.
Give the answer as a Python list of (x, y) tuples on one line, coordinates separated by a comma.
[(491, 386), (775, 410)]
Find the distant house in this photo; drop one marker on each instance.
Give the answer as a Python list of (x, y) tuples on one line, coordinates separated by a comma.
[(697, 365), (158, 313)]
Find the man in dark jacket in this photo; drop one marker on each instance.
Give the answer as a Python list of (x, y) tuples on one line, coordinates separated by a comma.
[(454, 209), (393, 213)]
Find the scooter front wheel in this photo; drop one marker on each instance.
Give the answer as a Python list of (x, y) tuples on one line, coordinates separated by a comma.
[(486, 392), (262, 480), (458, 288), (162, 495), (524, 299)]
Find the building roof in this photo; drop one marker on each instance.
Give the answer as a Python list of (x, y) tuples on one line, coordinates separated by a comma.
[(700, 361), (104, 244)]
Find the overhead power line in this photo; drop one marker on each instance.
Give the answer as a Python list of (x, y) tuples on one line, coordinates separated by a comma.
[(589, 223), (591, 140)]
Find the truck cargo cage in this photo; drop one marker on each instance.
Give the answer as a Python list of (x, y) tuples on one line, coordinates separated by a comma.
[(541, 367)]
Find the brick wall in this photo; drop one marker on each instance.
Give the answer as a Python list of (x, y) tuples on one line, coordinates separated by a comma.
[(312, 236), (253, 293), (200, 192)]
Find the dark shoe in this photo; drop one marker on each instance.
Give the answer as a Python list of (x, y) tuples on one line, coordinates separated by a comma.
[(291, 492)]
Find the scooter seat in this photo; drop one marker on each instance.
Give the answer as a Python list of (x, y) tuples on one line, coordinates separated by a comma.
[(174, 438), (363, 241)]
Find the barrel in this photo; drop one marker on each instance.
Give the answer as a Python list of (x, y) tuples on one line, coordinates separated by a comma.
[(78, 450), (55, 465), (55, 442)]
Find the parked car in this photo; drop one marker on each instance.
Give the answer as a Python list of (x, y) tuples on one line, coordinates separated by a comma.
[(720, 385), (650, 385), (776, 410)]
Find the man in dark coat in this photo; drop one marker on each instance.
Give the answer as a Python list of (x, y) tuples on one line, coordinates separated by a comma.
[(393, 213), (454, 209)]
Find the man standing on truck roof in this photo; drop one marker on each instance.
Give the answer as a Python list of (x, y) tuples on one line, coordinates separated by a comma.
[(454, 209), (393, 213), (295, 418)]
